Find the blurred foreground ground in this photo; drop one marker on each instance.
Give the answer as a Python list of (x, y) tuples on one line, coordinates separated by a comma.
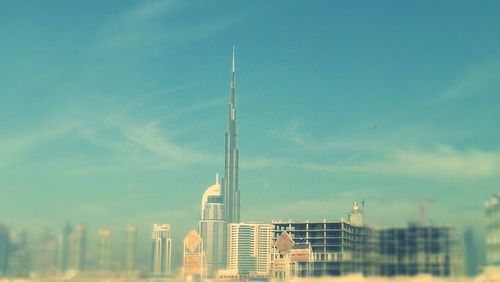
[(350, 278)]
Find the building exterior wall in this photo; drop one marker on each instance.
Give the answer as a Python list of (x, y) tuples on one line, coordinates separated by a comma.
[(339, 248), (416, 249), (130, 249), (493, 231), (104, 250), (161, 250), (249, 249), (77, 241), (212, 228), (4, 248)]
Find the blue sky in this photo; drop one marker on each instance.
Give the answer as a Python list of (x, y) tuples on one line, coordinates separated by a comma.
[(114, 112)]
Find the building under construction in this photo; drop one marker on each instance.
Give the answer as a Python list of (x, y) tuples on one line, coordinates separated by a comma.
[(346, 247), (338, 248), (420, 249)]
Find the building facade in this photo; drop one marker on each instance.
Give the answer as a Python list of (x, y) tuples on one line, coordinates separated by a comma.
[(104, 250), (249, 249), (76, 248), (129, 258), (230, 189), (493, 231), (45, 256), (420, 249), (19, 264), (212, 228), (161, 250), (194, 263), (4, 248), (338, 248)]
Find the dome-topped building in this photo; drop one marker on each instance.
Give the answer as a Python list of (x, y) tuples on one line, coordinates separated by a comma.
[(213, 227)]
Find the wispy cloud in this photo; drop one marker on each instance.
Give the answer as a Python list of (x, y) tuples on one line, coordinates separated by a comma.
[(151, 139), (443, 161), (16, 147), (480, 79), (154, 24), (299, 137), (202, 105), (126, 144)]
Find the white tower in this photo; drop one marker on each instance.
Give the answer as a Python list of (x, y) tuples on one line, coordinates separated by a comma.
[(162, 250), (356, 215)]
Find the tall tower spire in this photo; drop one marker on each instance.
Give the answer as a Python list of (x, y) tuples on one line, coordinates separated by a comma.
[(233, 65), (231, 193)]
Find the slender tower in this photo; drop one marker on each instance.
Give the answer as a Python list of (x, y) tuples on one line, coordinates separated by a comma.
[(231, 193)]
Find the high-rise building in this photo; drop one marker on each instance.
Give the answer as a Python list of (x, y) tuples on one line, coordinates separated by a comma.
[(471, 257), (130, 249), (45, 256), (493, 231), (161, 250), (212, 228), (420, 249), (104, 250), (4, 249), (249, 249), (76, 252), (64, 247), (230, 191), (19, 264)]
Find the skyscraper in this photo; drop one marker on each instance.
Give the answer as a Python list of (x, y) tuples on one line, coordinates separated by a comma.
[(212, 228), (19, 257), (45, 257), (231, 193), (104, 250), (77, 241), (493, 231), (250, 249), (471, 257), (161, 250), (64, 247), (4, 248), (130, 248)]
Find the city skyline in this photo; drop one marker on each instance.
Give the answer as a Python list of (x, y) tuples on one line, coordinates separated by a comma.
[(128, 106)]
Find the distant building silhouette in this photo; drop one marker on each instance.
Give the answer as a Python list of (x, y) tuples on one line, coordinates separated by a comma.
[(45, 256), (64, 247), (130, 255), (493, 231), (104, 250), (471, 257), (77, 243), (19, 264), (4, 249)]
